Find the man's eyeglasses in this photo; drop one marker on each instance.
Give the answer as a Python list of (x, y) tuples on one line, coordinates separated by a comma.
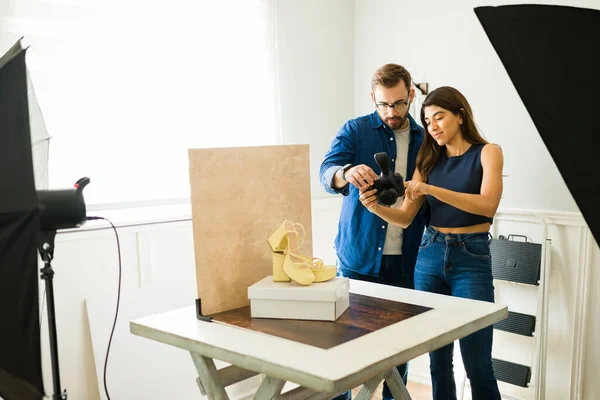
[(399, 106)]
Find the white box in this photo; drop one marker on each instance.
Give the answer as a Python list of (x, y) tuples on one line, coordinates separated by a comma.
[(324, 301)]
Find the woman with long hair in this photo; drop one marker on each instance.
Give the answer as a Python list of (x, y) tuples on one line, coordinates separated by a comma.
[(459, 175)]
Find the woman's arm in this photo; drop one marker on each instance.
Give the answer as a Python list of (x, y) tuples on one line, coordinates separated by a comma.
[(402, 216), (485, 203)]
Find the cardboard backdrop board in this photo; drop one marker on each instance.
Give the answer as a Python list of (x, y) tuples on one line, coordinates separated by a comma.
[(239, 197)]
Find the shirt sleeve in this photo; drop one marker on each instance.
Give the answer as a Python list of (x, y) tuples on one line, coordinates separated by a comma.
[(342, 152)]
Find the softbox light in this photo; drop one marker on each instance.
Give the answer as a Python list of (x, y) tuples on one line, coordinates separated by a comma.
[(549, 54), (20, 354)]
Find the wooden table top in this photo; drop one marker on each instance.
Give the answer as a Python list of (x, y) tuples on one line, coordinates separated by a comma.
[(342, 366)]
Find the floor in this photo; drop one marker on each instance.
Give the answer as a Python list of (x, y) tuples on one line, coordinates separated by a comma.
[(417, 391)]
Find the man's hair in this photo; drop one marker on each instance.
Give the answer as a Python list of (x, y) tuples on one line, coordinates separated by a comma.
[(390, 75)]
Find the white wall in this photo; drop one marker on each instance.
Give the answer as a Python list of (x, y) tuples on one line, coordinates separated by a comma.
[(327, 53), (443, 43), (590, 384), (316, 69)]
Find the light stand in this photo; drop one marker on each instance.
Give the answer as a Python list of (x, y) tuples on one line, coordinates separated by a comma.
[(46, 249), (59, 209)]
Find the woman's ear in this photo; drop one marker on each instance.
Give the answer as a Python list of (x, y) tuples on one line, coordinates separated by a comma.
[(460, 116)]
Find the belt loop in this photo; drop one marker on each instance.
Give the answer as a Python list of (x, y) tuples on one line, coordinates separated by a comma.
[(459, 239), (435, 233)]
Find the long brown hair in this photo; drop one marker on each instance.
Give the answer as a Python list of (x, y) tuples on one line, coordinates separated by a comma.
[(452, 100)]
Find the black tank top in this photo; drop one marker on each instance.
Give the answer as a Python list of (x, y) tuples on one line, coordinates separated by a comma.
[(463, 174)]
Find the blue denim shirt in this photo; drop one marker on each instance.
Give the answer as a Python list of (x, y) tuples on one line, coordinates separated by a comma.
[(361, 234)]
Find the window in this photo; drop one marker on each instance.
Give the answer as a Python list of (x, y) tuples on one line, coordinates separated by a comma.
[(127, 86)]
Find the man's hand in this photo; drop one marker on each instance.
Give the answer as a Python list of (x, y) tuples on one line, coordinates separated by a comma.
[(415, 189), (361, 176), (368, 198)]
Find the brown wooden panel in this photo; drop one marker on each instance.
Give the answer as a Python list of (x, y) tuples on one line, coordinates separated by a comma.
[(365, 314), (239, 198)]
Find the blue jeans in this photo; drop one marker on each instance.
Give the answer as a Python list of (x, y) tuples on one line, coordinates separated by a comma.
[(390, 274), (459, 265)]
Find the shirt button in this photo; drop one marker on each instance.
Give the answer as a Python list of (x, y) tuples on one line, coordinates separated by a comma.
[(382, 226), (379, 249), (393, 160), (391, 138)]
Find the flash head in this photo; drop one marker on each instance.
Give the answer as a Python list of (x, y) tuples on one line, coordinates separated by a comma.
[(64, 208)]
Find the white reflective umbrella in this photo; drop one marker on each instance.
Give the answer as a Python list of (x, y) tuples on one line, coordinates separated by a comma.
[(40, 139)]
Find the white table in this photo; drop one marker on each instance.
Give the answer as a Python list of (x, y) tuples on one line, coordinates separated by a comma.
[(321, 373)]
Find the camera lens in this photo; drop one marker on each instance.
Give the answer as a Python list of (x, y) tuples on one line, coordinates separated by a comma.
[(387, 197)]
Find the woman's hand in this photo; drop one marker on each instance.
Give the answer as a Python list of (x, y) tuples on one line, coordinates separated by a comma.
[(368, 198), (416, 189)]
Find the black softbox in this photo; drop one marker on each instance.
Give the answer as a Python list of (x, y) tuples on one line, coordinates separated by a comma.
[(20, 354), (550, 55)]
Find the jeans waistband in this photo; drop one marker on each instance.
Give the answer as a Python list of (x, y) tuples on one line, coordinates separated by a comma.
[(438, 236)]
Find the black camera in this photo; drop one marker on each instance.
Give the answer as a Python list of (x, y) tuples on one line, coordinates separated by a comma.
[(390, 185)]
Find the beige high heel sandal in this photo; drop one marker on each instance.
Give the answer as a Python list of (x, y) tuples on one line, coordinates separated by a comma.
[(285, 242)]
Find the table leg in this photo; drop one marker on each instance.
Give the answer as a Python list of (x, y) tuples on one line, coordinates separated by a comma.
[(269, 388), (209, 376), (396, 385), (368, 388)]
